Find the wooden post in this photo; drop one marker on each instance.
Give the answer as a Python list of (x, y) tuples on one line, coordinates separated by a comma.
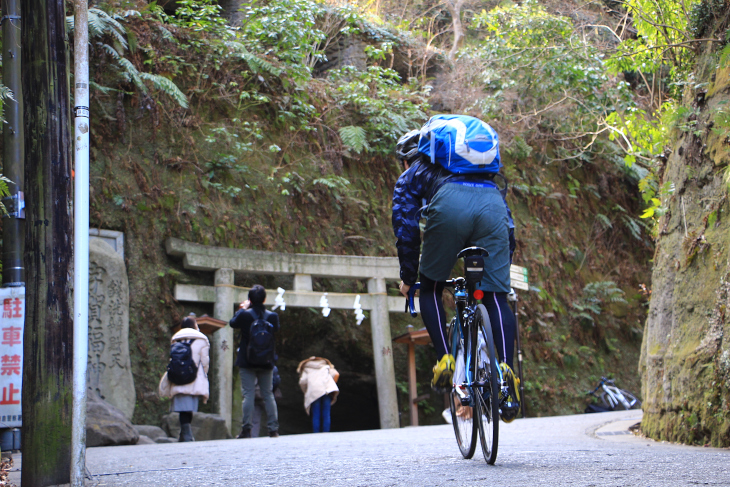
[(48, 358), (412, 389)]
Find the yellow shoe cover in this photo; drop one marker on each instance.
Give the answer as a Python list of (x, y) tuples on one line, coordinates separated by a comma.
[(443, 372), (510, 405)]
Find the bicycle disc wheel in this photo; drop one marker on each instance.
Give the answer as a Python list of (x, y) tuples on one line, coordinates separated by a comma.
[(487, 388), (462, 415)]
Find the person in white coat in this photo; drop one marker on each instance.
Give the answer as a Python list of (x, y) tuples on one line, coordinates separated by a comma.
[(318, 380), (185, 397)]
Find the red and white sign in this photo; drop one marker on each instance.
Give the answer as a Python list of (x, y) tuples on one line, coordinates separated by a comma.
[(11, 355)]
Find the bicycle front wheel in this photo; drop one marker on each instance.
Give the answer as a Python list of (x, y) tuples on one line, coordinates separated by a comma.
[(462, 412), (487, 386)]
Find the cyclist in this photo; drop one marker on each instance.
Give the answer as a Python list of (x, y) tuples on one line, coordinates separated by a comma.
[(461, 211)]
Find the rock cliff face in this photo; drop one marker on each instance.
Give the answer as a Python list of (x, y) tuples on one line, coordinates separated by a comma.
[(685, 363)]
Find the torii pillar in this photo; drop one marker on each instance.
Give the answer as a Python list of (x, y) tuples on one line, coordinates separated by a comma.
[(222, 346), (383, 355)]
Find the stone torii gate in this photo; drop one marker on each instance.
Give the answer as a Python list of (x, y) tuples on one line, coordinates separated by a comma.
[(225, 296)]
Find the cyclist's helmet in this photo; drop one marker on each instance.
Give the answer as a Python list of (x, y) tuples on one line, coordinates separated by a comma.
[(407, 146)]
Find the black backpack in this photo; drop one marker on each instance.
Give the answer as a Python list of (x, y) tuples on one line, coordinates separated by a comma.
[(261, 343), (181, 368)]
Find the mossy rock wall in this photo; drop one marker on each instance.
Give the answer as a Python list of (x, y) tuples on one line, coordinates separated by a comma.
[(685, 363)]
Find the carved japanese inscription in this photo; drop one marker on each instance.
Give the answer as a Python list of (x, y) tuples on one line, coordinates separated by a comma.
[(109, 369)]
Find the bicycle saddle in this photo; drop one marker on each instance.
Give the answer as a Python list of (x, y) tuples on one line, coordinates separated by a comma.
[(469, 251)]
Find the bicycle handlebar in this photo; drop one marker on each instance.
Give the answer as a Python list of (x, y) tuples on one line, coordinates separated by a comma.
[(604, 380), (410, 306)]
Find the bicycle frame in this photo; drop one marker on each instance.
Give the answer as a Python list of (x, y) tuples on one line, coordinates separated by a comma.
[(465, 308), (614, 397), (611, 396)]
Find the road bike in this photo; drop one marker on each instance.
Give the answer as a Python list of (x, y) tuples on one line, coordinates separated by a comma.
[(611, 397), (478, 383)]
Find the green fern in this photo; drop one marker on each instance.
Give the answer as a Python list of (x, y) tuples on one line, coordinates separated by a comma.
[(333, 182), (167, 35), (166, 86), (594, 295), (4, 191), (355, 138), (254, 62), (604, 221), (634, 226), (101, 23), (5, 94), (104, 89)]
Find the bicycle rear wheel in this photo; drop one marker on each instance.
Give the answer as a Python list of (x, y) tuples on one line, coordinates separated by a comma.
[(462, 412), (486, 389)]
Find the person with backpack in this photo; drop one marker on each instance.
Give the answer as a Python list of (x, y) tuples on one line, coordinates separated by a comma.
[(318, 380), (256, 357), (451, 178), (186, 379)]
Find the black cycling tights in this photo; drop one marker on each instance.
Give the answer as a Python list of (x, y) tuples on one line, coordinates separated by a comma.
[(500, 315), (503, 325), (432, 313)]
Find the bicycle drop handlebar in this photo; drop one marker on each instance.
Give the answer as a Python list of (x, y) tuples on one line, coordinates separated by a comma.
[(410, 305)]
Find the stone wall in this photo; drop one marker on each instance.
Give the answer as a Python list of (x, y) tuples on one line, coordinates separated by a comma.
[(685, 363)]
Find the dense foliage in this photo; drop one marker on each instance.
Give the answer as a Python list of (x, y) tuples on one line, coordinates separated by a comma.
[(201, 123)]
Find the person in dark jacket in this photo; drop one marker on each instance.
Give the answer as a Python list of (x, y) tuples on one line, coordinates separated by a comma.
[(461, 210), (251, 310)]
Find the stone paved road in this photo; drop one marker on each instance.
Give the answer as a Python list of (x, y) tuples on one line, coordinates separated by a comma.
[(579, 450)]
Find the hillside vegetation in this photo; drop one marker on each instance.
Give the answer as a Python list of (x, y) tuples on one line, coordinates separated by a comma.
[(253, 137)]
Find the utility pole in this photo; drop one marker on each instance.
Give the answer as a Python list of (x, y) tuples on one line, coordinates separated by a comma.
[(81, 239), (48, 339), (13, 227), (13, 290)]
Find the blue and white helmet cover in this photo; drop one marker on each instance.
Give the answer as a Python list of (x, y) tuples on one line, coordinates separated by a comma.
[(461, 144)]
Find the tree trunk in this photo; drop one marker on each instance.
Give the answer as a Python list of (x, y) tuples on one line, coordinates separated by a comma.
[(48, 356), (454, 8), (231, 11)]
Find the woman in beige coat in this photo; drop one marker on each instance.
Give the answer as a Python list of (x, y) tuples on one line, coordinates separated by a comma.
[(185, 397), (317, 378)]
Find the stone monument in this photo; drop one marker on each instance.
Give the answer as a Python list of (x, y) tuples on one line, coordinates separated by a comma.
[(109, 369)]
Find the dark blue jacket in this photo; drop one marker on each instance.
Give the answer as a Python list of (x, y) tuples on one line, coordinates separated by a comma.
[(242, 320), (413, 192)]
